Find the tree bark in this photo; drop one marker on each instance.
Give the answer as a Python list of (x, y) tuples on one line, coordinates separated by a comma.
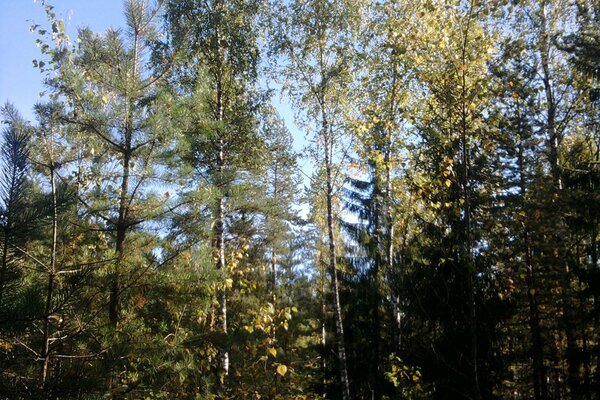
[(124, 201), (121, 235), (468, 260), (560, 248), (45, 354), (323, 349), (540, 385), (339, 325), (220, 213)]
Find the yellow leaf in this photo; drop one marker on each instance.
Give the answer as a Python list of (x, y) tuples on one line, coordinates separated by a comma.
[(448, 182), (282, 370), (229, 283), (273, 351), (5, 345)]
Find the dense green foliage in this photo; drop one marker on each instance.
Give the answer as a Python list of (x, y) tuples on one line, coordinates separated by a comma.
[(156, 244)]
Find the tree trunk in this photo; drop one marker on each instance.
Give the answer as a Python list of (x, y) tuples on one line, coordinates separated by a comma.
[(323, 354), (596, 309), (540, 385), (221, 265), (220, 213), (560, 248), (7, 231), (273, 282), (4, 259), (45, 354), (469, 264), (339, 326), (124, 201), (121, 234)]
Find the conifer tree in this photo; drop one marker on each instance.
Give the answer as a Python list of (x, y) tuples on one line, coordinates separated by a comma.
[(13, 186), (219, 40), (114, 103)]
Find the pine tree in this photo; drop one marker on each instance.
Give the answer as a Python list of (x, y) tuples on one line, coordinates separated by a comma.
[(13, 186), (219, 39)]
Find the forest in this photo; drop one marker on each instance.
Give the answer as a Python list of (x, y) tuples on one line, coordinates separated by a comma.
[(161, 238)]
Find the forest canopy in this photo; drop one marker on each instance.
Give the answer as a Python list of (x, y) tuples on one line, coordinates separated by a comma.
[(160, 238)]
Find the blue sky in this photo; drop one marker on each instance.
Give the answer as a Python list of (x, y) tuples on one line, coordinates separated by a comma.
[(20, 83)]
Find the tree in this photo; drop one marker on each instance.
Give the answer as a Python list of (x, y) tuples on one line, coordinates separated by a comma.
[(115, 103), (372, 193), (280, 182), (219, 39), (14, 184), (316, 40), (455, 183)]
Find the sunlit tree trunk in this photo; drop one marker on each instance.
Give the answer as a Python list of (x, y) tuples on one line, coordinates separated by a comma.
[(339, 325)]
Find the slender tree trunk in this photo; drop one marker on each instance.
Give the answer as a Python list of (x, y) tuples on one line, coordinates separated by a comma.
[(468, 254), (221, 265), (121, 234), (540, 386), (51, 276), (379, 260), (468, 240), (339, 325), (385, 233), (587, 390), (220, 181), (124, 201), (539, 373), (320, 264), (273, 276), (273, 249), (561, 251), (389, 212), (220, 213), (4, 259), (7, 232), (596, 317)]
